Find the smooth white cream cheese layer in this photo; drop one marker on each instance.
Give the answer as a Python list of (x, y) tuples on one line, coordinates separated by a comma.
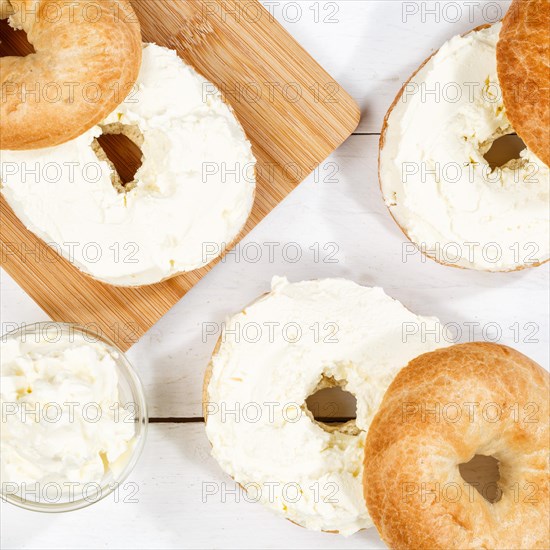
[(271, 358), (62, 419), (194, 190), (435, 179)]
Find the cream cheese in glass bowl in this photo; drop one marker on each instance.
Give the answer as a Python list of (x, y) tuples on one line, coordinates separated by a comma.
[(73, 417)]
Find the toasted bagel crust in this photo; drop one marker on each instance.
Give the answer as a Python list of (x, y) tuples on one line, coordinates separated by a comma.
[(523, 64), (88, 56), (413, 488)]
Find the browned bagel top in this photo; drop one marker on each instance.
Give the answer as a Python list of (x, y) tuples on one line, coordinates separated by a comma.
[(523, 62), (443, 409), (88, 56)]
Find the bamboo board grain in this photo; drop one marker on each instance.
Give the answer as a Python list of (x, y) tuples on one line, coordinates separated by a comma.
[(293, 112)]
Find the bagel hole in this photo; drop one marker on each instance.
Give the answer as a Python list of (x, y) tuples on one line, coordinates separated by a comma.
[(13, 42), (332, 407), (483, 474), (125, 155), (119, 145), (504, 150)]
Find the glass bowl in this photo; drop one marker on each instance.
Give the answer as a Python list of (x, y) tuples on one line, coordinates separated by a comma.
[(132, 408)]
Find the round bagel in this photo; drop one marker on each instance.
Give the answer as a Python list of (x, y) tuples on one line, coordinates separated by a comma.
[(267, 362), (187, 203), (523, 61), (88, 56), (434, 177), (440, 411)]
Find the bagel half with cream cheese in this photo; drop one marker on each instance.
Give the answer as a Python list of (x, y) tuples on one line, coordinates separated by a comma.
[(436, 182), (292, 342), (188, 201)]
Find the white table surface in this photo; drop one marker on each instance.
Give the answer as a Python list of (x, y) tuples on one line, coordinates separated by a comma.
[(370, 47)]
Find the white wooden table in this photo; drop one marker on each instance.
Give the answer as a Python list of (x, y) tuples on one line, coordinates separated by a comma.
[(370, 47)]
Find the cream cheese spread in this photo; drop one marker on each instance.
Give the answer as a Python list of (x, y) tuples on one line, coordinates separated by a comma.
[(63, 423), (192, 194), (271, 358), (433, 172)]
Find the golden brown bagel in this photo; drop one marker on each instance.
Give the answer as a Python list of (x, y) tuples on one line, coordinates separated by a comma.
[(88, 56), (523, 63), (413, 488)]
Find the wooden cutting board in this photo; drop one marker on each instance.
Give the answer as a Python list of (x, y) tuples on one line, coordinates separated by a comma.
[(293, 112)]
